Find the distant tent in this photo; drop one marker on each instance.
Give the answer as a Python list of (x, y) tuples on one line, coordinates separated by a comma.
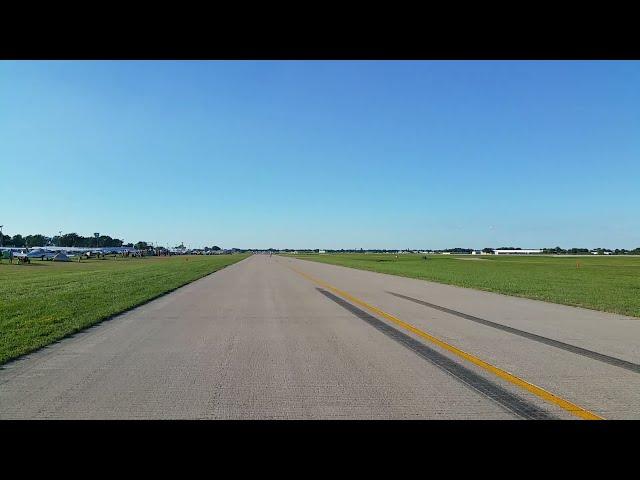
[(61, 257)]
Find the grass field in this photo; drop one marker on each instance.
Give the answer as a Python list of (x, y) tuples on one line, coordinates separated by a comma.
[(46, 301), (610, 284)]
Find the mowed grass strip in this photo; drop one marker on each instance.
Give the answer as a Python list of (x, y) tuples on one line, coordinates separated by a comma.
[(610, 284), (46, 301)]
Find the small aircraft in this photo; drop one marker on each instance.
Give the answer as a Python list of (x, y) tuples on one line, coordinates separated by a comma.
[(49, 252), (41, 253)]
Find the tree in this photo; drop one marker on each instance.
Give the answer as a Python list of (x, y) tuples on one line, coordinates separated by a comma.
[(36, 240), (107, 241), (556, 250), (17, 241), (576, 251), (215, 247), (70, 240), (141, 246)]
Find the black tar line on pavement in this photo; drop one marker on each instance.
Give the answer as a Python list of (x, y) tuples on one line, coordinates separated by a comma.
[(531, 336), (513, 403)]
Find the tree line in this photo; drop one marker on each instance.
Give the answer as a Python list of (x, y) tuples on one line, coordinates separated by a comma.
[(583, 251), (66, 240), (75, 240), (458, 250)]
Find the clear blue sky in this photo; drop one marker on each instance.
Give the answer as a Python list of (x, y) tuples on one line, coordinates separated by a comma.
[(324, 154)]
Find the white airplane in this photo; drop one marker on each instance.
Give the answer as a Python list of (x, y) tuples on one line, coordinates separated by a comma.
[(48, 252), (41, 253)]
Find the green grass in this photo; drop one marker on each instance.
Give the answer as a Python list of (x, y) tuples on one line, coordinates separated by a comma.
[(610, 284), (46, 301)]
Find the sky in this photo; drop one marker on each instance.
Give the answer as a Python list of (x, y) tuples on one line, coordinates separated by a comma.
[(324, 154)]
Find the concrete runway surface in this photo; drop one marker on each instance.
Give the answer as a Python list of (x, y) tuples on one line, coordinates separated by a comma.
[(274, 338)]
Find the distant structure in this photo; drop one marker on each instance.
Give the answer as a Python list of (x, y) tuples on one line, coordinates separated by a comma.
[(523, 251)]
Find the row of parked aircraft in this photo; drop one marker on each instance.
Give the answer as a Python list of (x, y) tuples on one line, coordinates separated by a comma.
[(48, 253)]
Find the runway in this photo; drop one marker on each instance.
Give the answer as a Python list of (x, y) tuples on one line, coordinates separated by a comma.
[(282, 338)]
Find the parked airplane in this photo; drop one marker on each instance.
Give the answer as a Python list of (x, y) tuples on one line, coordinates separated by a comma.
[(41, 253), (47, 253)]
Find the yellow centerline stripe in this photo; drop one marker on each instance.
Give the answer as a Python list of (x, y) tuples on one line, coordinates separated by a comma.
[(572, 408)]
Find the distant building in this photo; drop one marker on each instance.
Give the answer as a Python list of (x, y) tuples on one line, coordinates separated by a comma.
[(523, 251), (322, 251)]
